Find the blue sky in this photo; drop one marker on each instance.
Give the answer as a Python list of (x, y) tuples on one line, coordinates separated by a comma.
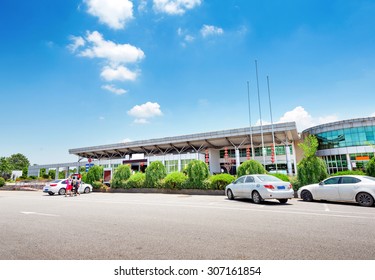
[(92, 72)]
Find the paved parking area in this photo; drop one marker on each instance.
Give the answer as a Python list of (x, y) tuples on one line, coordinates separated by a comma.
[(164, 226)]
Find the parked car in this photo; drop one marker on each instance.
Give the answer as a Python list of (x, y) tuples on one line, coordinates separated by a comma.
[(59, 187), (353, 188), (259, 187)]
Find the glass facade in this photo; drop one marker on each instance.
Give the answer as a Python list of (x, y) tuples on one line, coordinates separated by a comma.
[(171, 165), (347, 137)]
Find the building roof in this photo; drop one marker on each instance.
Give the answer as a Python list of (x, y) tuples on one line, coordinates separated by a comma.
[(359, 122), (284, 133)]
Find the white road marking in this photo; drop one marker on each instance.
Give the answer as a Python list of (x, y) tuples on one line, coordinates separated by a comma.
[(40, 214), (326, 208)]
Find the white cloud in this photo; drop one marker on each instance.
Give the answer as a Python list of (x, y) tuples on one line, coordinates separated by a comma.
[(304, 120), (209, 30), (114, 13), (113, 89), (126, 140), (189, 38), (372, 115), (142, 6), (175, 7), (77, 42), (119, 73), (114, 53), (144, 112), (101, 118)]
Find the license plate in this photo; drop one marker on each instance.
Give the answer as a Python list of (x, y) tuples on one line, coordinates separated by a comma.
[(281, 187)]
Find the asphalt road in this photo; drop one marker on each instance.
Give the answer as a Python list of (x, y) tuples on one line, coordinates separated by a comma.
[(123, 226)]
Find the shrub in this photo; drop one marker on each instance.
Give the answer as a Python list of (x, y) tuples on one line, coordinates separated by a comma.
[(175, 180), (155, 172), (349, 172), (95, 173), (197, 172), (370, 167), (295, 183), (120, 176), (136, 180), (281, 176), (220, 181), (250, 167), (311, 170), (97, 185), (2, 182)]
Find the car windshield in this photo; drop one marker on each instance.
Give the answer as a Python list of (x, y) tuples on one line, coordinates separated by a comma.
[(267, 178)]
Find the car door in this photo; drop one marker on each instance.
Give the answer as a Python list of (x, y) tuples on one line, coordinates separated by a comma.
[(237, 187), (248, 186), (329, 189), (348, 188)]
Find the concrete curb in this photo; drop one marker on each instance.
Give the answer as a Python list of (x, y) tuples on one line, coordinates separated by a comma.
[(165, 191)]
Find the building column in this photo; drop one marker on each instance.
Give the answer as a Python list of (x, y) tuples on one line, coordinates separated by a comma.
[(237, 153), (294, 158), (349, 162), (288, 162), (57, 173), (179, 162), (214, 159)]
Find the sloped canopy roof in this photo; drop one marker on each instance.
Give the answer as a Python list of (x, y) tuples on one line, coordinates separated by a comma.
[(240, 138)]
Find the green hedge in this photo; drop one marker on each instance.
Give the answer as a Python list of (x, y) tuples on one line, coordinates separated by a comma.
[(220, 181), (250, 167), (175, 180), (349, 172), (155, 172), (370, 167), (197, 172), (2, 182), (136, 180), (120, 176)]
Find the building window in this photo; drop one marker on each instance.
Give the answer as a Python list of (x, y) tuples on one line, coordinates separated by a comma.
[(171, 165)]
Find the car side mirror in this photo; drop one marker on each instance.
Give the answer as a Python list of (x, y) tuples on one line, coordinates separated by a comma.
[(321, 183)]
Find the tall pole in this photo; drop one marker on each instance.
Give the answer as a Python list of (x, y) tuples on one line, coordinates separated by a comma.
[(251, 129), (260, 115), (273, 132)]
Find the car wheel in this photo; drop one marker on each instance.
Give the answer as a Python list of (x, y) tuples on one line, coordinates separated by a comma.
[(283, 200), (306, 195), (365, 199), (62, 191), (256, 197), (87, 190), (230, 194), (51, 193)]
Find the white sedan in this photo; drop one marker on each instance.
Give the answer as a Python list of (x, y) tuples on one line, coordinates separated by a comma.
[(259, 187), (353, 188), (59, 187)]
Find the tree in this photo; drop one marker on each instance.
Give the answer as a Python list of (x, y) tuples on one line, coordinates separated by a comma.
[(120, 176), (155, 172), (18, 161), (5, 168), (311, 169), (197, 172), (250, 167), (370, 167), (94, 174)]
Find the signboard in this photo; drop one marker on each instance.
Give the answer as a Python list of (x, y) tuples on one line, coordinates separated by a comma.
[(88, 165), (362, 158)]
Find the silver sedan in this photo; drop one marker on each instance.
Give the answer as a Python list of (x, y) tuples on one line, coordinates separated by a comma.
[(352, 188), (259, 187)]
